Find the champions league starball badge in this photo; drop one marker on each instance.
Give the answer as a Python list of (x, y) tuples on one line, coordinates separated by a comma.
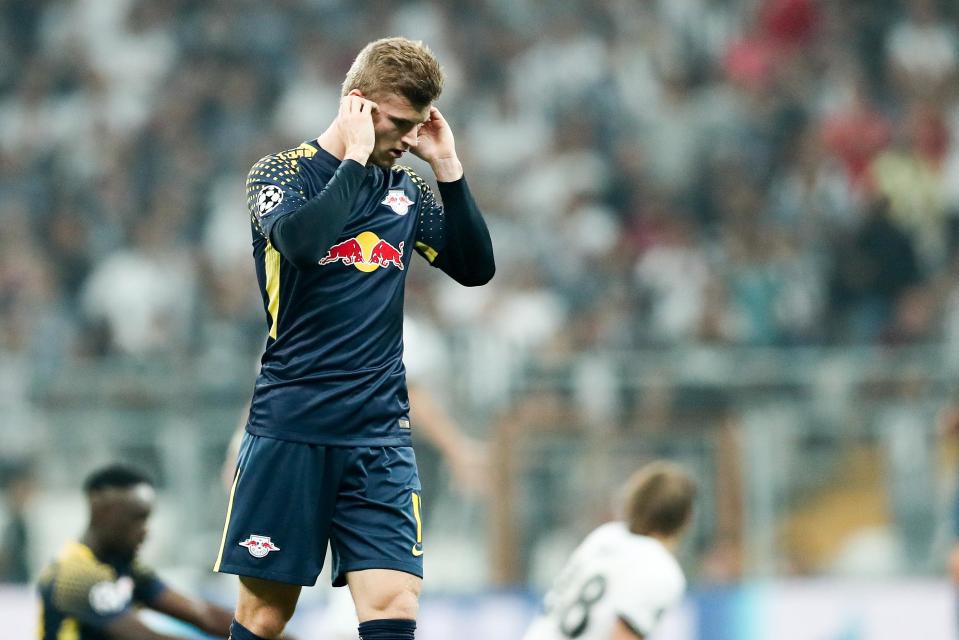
[(268, 199)]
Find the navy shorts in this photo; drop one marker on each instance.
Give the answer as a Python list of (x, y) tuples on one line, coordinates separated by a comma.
[(290, 498)]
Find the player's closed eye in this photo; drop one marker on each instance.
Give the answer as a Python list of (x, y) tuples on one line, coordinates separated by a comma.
[(403, 125)]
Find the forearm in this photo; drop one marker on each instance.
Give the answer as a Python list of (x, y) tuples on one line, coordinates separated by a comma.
[(468, 254), (433, 421), (214, 620), (447, 169), (130, 627), (208, 617), (304, 236)]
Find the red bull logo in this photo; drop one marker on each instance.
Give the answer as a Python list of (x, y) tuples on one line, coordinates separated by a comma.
[(259, 546), (367, 252)]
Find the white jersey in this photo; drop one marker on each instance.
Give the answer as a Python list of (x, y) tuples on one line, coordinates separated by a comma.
[(613, 574)]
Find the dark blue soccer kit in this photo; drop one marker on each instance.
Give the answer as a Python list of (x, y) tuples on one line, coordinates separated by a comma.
[(328, 451)]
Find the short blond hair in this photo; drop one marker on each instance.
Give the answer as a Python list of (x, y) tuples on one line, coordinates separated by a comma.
[(396, 65), (659, 499)]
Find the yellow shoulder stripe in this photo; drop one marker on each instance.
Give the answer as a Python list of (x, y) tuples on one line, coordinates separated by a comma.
[(308, 150)]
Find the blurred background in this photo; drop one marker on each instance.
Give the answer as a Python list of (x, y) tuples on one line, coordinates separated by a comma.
[(726, 233)]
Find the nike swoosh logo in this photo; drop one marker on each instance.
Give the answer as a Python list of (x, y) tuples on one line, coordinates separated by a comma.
[(417, 552)]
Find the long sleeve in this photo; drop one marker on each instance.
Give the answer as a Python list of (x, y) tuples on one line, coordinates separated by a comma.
[(304, 234), (454, 236)]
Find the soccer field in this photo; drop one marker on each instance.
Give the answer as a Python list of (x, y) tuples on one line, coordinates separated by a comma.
[(793, 611)]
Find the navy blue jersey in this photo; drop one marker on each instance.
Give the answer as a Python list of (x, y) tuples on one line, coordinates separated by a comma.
[(332, 371), (80, 595)]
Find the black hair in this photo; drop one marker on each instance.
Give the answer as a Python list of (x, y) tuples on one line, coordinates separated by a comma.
[(117, 476)]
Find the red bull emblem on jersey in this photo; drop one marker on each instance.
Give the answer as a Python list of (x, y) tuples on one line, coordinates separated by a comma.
[(397, 201), (259, 546), (367, 252)]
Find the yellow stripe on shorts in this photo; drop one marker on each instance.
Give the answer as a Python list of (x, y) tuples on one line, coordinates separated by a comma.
[(226, 525)]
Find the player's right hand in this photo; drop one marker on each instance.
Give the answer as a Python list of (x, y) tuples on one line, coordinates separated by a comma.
[(355, 125)]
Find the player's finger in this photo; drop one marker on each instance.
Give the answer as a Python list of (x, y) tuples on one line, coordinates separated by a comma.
[(352, 104)]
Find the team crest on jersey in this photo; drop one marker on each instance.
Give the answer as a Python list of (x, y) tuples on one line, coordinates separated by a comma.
[(111, 597), (259, 546), (268, 199), (397, 200)]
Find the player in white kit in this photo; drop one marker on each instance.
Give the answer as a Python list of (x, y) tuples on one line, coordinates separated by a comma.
[(623, 576)]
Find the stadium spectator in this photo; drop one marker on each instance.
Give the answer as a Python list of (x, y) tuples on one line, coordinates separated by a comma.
[(78, 118), (18, 491), (874, 266)]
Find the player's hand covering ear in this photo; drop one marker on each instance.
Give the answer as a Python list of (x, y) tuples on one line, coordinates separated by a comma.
[(355, 125), (435, 139)]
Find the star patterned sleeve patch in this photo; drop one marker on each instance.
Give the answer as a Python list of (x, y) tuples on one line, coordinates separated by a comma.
[(268, 199)]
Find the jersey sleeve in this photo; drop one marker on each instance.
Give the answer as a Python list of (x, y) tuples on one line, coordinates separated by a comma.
[(147, 585), (91, 593), (274, 189), (431, 226), (642, 596)]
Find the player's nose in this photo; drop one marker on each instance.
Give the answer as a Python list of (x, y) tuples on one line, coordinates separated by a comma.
[(411, 138)]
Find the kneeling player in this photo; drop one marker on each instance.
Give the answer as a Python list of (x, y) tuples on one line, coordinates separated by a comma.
[(623, 576), (92, 591)]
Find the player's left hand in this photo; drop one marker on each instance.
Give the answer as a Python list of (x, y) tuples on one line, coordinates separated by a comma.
[(435, 145)]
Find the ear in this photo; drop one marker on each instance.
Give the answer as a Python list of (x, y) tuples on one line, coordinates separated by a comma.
[(356, 92)]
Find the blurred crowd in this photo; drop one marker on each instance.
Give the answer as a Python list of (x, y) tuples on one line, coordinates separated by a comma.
[(655, 172)]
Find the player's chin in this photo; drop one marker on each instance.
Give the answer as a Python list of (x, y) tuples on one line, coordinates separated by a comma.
[(385, 160), (390, 156)]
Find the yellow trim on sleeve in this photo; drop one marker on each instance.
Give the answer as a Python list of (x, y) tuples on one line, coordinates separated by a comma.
[(69, 630), (427, 251), (271, 260)]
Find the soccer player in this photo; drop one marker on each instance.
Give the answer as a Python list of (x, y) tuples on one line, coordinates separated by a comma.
[(327, 455), (623, 576), (90, 591), (465, 457)]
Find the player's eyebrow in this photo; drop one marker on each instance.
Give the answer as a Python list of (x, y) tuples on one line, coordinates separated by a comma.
[(404, 122)]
